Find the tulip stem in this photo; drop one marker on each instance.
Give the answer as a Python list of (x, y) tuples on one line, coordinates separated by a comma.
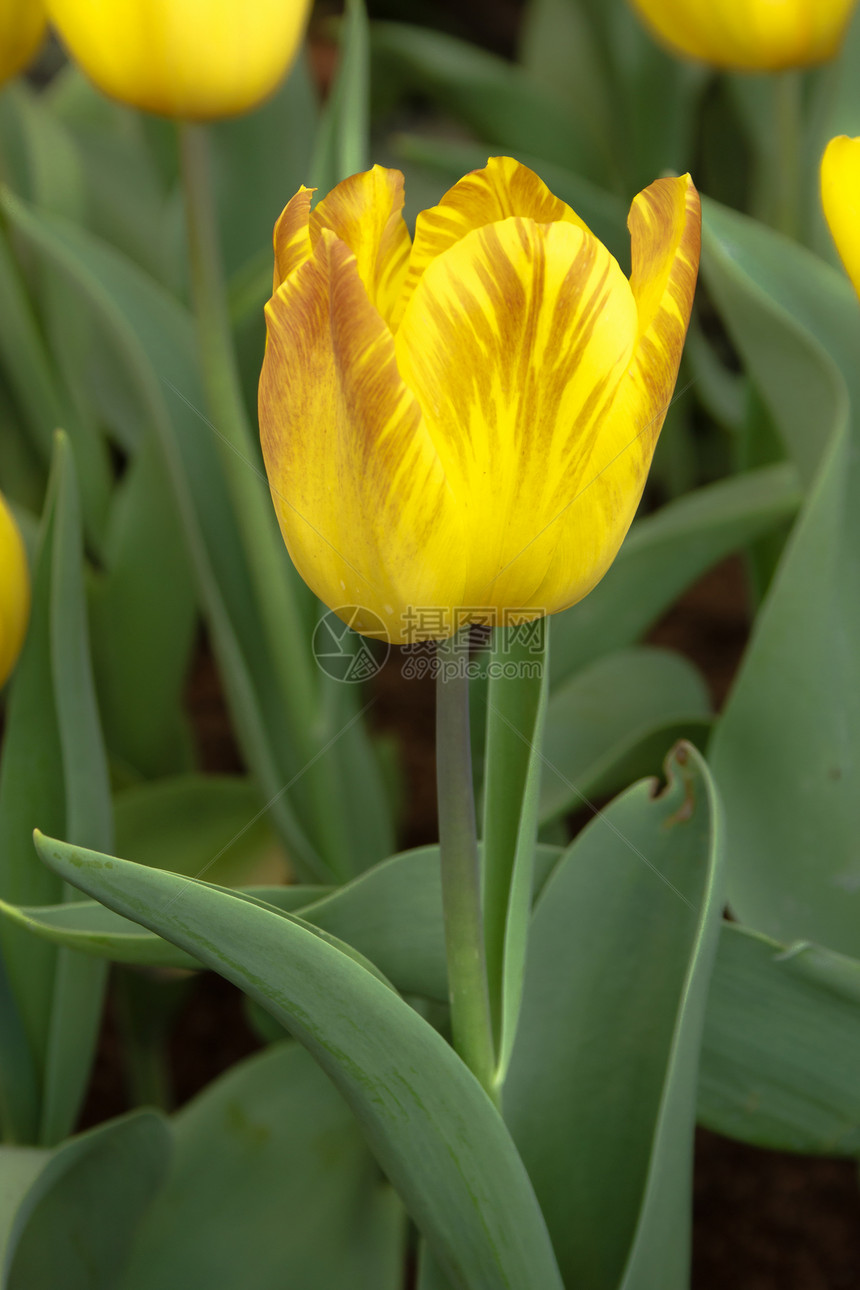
[(460, 866), (787, 112), (272, 576)]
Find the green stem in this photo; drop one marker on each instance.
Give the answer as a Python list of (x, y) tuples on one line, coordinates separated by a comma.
[(461, 875), (271, 575), (786, 175)]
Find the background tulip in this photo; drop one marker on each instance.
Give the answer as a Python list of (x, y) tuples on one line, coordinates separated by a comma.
[(195, 59), (14, 591), (840, 197), (465, 426), (22, 29), (753, 35)]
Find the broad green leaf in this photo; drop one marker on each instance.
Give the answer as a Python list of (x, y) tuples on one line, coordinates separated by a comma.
[(270, 1172), (200, 825), (502, 103), (600, 1097), (153, 338), (53, 768), (429, 1123), (663, 555), (69, 1215), (392, 914), (516, 710), (786, 752), (143, 615), (343, 135), (614, 721), (781, 1048)]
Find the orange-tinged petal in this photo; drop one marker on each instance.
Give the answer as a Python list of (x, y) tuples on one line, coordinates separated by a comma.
[(503, 188), (195, 59), (22, 30), (14, 591), (366, 212), (840, 197), (357, 484), (292, 235), (757, 35), (514, 342), (665, 228)]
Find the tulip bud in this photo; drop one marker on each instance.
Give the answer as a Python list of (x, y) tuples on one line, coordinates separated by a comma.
[(193, 59), (22, 30), (840, 197), (749, 35), (14, 591), (459, 429)]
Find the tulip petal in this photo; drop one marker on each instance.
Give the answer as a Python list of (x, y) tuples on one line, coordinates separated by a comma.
[(357, 484), (840, 197), (665, 228), (365, 212), (503, 188), (292, 235), (515, 342)]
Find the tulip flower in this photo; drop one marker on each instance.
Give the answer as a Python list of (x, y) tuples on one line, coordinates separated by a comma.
[(840, 197), (750, 35), (192, 59), (460, 429), (22, 30), (14, 591)]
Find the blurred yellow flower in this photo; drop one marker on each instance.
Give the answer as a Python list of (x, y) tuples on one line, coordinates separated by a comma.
[(750, 35), (22, 30), (194, 59), (14, 591), (840, 197), (460, 429)]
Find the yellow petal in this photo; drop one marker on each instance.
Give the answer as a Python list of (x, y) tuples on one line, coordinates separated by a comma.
[(665, 228), (757, 35), (292, 235), (358, 487), (14, 591), (503, 188), (196, 59), (366, 212), (22, 30), (515, 342), (840, 197)]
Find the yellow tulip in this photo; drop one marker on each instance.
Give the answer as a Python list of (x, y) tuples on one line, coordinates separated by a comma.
[(22, 30), (194, 59), (460, 429), (14, 591), (840, 197), (750, 35)]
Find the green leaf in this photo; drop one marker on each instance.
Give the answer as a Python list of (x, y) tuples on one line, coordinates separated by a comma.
[(430, 1125), (272, 1157), (614, 721), (516, 708), (143, 615), (54, 768), (152, 336), (781, 1047), (786, 752), (663, 555), (600, 1097), (502, 103), (343, 135), (70, 1215)]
